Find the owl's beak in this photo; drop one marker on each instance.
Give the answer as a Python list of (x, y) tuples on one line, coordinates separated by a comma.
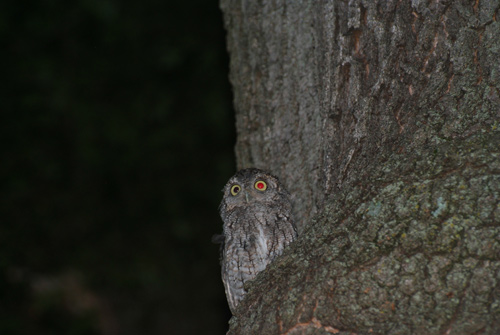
[(246, 197)]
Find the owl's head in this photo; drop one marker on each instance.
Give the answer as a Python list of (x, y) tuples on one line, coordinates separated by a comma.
[(253, 187)]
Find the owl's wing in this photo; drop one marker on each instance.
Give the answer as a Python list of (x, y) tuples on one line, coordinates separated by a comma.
[(219, 239), (284, 232)]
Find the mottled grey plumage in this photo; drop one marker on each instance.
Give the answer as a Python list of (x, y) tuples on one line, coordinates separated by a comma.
[(258, 224)]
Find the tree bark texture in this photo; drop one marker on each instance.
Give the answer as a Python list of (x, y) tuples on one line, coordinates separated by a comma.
[(382, 119)]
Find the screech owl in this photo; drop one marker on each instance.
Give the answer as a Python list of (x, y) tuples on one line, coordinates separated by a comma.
[(258, 224)]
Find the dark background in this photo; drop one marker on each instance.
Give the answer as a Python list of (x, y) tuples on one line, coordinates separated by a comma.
[(117, 136)]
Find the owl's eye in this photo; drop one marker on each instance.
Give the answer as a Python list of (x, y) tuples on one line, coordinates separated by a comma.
[(235, 189), (260, 185)]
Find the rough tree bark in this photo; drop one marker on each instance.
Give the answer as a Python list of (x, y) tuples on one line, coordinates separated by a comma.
[(382, 118)]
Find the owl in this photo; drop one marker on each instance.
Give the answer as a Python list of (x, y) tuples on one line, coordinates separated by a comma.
[(258, 224)]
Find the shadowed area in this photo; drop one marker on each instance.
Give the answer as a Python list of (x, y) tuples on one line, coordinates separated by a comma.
[(117, 137)]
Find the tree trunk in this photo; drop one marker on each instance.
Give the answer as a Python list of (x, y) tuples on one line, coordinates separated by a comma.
[(382, 119)]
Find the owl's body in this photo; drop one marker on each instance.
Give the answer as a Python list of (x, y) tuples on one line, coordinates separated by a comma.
[(258, 224)]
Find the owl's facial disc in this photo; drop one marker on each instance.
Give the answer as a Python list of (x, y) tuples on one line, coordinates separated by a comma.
[(248, 191)]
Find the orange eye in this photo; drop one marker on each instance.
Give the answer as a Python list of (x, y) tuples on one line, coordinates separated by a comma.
[(235, 189), (260, 185)]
